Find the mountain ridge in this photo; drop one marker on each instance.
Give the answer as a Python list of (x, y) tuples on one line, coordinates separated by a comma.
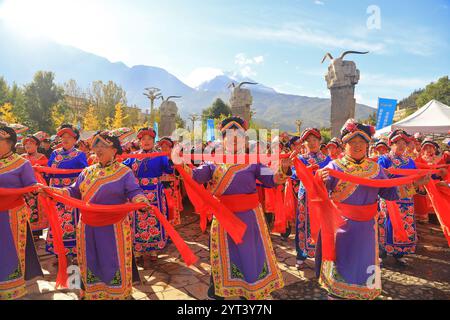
[(20, 59)]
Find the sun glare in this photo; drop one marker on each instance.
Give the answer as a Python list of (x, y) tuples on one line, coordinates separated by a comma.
[(76, 23)]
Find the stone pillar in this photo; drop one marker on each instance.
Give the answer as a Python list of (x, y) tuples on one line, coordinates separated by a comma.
[(168, 112), (240, 101), (341, 79)]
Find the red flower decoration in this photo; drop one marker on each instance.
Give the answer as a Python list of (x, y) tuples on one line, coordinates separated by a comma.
[(350, 126)]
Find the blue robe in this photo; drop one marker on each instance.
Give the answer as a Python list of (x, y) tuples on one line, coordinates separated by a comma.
[(65, 159), (387, 241), (303, 241), (148, 232)]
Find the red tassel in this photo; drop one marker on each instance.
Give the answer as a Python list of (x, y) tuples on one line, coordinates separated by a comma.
[(280, 215), (396, 221)]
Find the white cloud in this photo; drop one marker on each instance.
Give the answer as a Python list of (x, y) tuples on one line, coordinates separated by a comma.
[(320, 3), (200, 75), (297, 34), (245, 64), (387, 81), (242, 60)]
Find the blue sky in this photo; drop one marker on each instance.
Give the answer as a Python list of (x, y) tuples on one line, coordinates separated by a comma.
[(277, 43)]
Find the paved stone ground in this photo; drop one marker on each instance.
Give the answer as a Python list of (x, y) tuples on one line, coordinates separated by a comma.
[(426, 277)]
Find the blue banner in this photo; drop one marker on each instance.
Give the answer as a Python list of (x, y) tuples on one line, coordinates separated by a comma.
[(210, 130), (155, 127), (385, 113)]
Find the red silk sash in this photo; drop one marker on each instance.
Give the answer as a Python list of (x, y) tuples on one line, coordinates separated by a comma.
[(375, 183), (439, 197), (10, 197), (98, 215), (289, 200), (141, 156), (240, 202), (170, 199), (280, 221), (358, 213), (51, 170), (327, 215), (217, 158), (203, 199)]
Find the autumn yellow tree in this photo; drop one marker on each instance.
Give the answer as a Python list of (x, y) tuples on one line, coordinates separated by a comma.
[(119, 117), (91, 122), (58, 117), (6, 113)]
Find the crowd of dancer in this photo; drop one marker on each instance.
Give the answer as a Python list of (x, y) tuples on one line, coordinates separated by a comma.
[(351, 203)]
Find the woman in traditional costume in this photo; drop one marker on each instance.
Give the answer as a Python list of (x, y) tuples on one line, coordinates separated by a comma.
[(381, 148), (424, 210), (248, 269), (354, 272), (149, 234), (38, 217), (335, 148), (66, 157), (398, 141), (18, 258), (172, 185), (314, 159), (105, 254)]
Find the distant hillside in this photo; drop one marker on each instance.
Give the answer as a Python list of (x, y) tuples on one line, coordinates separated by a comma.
[(21, 58)]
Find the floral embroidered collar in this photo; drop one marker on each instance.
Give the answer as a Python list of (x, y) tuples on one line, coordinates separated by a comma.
[(314, 157), (398, 161), (108, 164), (7, 155)]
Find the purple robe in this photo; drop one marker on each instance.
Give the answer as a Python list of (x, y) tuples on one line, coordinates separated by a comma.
[(16, 265), (357, 263), (105, 253), (248, 269)]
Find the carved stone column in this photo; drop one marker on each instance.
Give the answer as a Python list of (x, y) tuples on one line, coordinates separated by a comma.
[(168, 112), (341, 79), (241, 101)]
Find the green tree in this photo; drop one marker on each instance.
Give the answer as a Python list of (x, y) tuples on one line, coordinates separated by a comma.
[(372, 119), (4, 91), (216, 110), (180, 123), (105, 97), (439, 90), (326, 134), (17, 99), (40, 97)]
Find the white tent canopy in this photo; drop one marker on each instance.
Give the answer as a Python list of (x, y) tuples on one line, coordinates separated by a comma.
[(434, 117)]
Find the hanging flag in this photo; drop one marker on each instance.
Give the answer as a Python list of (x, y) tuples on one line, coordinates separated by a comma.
[(385, 113), (155, 127), (210, 130)]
